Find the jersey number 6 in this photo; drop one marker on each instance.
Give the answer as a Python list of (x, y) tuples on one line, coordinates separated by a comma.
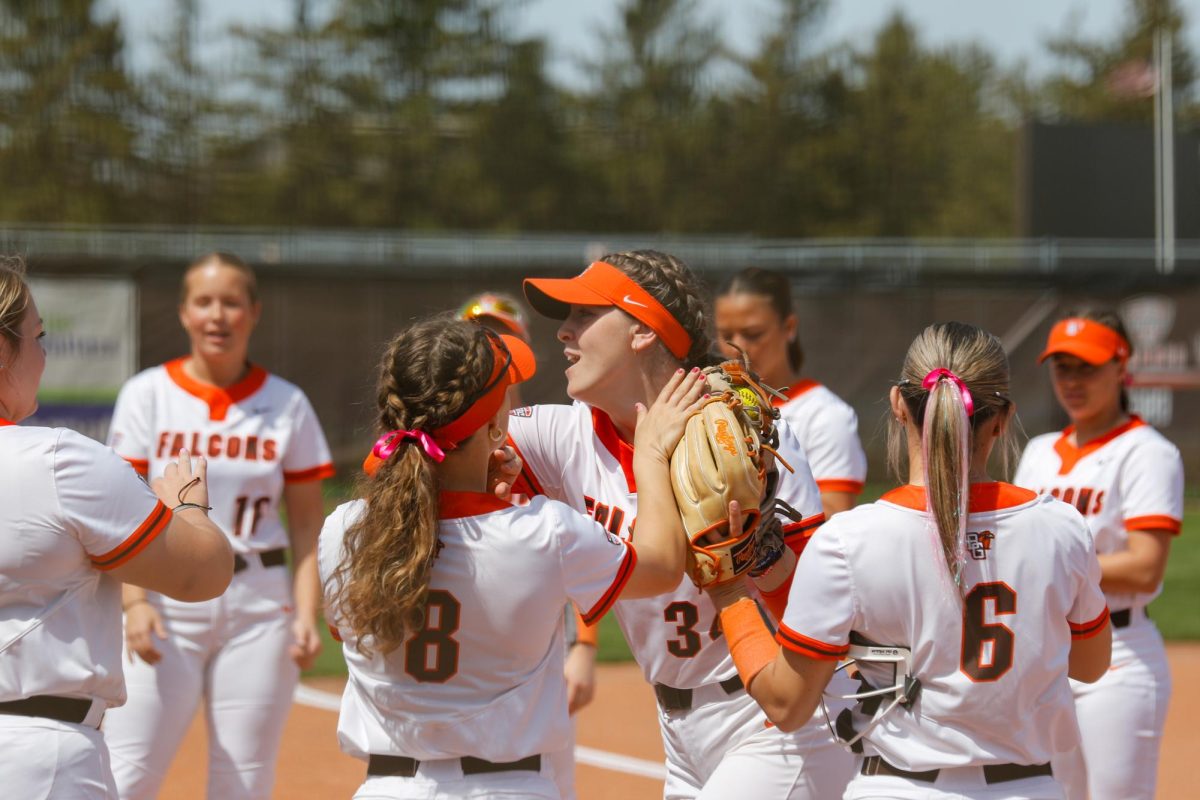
[(987, 647), (431, 655)]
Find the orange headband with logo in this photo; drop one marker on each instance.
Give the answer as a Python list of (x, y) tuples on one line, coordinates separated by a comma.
[(603, 284), (512, 362), (1086, 339)]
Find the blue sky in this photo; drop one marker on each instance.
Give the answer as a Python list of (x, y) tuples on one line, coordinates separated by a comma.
[(1014, 30)]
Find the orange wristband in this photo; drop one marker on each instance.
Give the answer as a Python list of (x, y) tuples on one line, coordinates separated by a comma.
[(750, 643), (584, 633)]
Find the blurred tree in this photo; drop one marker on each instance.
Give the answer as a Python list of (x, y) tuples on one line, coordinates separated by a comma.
[(644, 130), (1114, 79), (66, 114), (923, 149), (527, 172), (427, 67), (774, 176), (298, 162), (179, 102)]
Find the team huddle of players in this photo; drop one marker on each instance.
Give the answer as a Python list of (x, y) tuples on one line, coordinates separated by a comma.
[(999, 631)]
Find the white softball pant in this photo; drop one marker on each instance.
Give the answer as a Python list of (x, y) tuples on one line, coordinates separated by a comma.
[(724, 749), (232, 654), (444, 780), (44, 759), (1121, 720), (957, 783)]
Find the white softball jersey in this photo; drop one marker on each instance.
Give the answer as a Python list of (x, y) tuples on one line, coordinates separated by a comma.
[(993, 661), (257, 435), (574, 454), (484, 677), (1127, 480), (70, 509), (827, 428)]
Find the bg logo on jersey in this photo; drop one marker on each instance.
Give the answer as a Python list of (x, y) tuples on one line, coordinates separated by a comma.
[(215, 445), (979, 544)]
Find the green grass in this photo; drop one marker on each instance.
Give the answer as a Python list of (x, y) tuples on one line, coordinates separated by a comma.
[(1175, 611)]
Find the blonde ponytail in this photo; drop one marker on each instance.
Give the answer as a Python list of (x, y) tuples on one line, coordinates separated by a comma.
[(954, 380)]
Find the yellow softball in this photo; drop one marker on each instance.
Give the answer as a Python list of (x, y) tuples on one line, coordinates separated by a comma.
[(749, 398)]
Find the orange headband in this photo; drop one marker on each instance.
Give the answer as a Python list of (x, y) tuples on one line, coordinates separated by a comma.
[(1087, 339), (603, 284), (512, 362)]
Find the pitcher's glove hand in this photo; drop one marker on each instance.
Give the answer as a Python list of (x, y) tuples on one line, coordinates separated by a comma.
[(723, 457)]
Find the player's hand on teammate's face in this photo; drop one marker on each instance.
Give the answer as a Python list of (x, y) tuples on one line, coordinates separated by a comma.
[(306, 643), (184, 480), (660, 427), (143, 624), (504, 467)]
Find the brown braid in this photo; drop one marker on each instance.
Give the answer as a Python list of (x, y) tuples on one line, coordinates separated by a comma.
[(671, 282), (429, 375)]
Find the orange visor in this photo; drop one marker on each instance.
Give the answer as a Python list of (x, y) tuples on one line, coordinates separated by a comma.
[(512, 362), (1085, 339), (603, 284)]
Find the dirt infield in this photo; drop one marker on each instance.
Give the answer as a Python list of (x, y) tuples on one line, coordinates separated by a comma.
[(621, 721)]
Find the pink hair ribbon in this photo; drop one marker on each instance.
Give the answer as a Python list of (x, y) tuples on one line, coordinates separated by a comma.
[(387, 444), (941, 372)]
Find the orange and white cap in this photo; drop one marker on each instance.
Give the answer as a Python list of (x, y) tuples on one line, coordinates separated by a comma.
[(603, 284), (1086, 339)]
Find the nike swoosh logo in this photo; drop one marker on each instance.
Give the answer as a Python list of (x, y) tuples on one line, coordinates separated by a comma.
[(630, 301)]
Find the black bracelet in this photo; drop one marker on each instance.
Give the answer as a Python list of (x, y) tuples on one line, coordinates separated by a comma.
[(185, 506), (183, 489)]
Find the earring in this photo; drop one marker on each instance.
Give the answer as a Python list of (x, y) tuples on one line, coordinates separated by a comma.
[(496, 434)]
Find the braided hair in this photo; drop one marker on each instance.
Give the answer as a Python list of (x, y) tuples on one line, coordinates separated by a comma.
[(671, 282), (429, 375)]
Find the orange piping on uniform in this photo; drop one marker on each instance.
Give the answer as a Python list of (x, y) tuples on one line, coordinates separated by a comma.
[(152, 526), (318, 473), (1154, 522)]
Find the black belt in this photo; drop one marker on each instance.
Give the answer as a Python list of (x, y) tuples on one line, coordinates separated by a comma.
[(63, 709), (672, 699), (1124, 617), (405, 767), (269, 558), (992, 773)]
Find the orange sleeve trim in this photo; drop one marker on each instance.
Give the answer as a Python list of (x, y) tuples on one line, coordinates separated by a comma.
[(812, 648), (140, 465), (337, 637), (1154, 522), (605, 603), (804, 528), (584, 633), (1086, 630), (776, 599), (151, 527), (840, 485), (319, 473)]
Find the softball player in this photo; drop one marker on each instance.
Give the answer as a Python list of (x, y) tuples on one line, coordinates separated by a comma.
[(630, 320), (456, 660), (504, 315), (71, 512), (988, 593), (754, 316), (1127, 480), (240, 653)]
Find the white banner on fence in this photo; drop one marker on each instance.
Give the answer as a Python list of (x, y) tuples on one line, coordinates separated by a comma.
[(91, 349)]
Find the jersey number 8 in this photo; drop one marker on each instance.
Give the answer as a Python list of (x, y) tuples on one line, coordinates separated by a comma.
[(431, 655)]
